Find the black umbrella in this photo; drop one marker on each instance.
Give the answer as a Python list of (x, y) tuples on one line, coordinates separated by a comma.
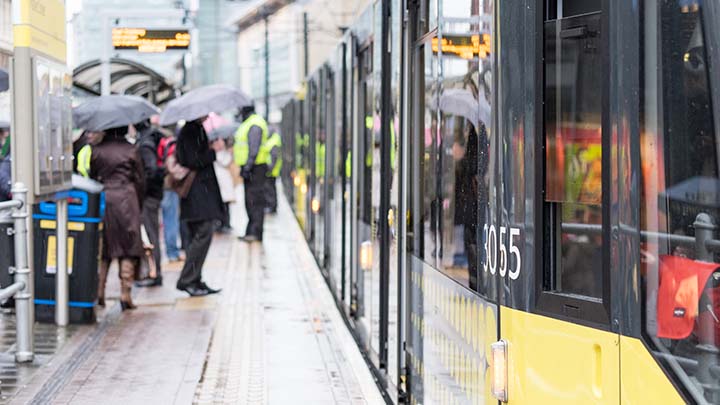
[(224, 132), (4, 80), (698, 191), (202, 101), (105, 112)]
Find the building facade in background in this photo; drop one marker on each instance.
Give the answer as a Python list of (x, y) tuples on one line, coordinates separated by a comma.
[(88, 31), (217, 55), (286, 39)]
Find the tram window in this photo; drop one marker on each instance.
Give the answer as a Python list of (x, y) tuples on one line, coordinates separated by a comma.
[(680, 195), (555, 9), (573, 165)]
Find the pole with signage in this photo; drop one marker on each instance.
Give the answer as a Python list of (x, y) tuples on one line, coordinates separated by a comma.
[(42, 119)]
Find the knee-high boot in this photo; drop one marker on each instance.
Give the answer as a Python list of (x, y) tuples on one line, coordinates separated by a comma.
[(102, 280), (127, 275)]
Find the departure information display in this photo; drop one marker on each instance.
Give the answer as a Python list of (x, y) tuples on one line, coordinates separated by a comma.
[(150, 40)]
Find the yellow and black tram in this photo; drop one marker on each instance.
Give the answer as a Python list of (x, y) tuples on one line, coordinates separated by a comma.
[(519, 201)]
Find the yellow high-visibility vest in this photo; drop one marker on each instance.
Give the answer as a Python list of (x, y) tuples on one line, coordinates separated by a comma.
[(319, 159), (241, 149), (83, 163), (369, 124), (275, 142)]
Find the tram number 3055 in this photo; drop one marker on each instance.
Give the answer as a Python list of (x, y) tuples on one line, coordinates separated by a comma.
[(494, 244)]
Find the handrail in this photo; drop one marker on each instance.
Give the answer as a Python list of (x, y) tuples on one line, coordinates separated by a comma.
[(8, 205), (21, 289), (9, 291), (702, 222)]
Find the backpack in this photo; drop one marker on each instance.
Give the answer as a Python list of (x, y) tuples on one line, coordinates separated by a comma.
[(166, 147)]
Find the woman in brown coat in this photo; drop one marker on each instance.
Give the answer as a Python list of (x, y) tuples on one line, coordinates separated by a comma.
[(116, 164)]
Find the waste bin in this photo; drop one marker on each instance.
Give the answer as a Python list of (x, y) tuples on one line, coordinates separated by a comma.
[(85, 212)]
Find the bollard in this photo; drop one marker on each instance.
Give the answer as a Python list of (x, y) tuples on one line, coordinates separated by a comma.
[(704, 230), (22, 274), (62, 296)]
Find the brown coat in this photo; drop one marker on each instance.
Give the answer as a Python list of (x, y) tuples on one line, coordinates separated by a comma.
[(117, 165)]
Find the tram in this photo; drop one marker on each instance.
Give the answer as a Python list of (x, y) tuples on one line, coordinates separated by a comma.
[(518, 201)]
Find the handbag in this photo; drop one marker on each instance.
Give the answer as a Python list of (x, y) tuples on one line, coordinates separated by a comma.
[(179, 178), (182, 186), (148, 267)]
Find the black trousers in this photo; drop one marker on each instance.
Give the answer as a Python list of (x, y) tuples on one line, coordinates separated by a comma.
[(271, 193), (200, 233), (255, 190), (151, 222)]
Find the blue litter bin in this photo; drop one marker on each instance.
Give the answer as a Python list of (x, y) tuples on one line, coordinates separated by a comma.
[(85, 213)]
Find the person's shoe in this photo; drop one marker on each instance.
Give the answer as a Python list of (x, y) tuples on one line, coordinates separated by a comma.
[(208, 289), (248, 238), (195, 291), (126, 305), (150, 282)]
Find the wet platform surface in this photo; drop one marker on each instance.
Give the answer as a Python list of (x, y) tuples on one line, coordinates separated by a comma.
[(272, 336)]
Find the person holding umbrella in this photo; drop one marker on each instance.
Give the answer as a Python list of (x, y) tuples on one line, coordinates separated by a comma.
[(202, 206), (116, 164)]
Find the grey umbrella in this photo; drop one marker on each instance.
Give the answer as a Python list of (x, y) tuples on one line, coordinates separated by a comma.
[(202, 101), (4, 80), (105, 112), (461, 102), (224, 132)]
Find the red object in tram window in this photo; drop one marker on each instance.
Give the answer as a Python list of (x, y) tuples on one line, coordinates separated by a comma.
[(682, 282)]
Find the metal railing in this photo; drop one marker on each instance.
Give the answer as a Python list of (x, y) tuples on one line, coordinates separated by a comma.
[(21, 288)]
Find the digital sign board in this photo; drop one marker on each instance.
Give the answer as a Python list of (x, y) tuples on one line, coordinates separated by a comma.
[(463, 46), (150, 40)]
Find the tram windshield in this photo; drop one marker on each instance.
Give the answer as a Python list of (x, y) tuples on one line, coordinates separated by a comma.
[(680, 198)]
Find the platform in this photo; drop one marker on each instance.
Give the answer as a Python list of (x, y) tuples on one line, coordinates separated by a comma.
[(272, 336)]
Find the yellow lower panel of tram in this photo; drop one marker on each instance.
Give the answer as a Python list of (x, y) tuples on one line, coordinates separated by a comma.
[(642, 380), (556, 362)]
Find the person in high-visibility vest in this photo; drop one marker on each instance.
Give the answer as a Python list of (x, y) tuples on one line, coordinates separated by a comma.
[(253, 158), (274, 147)]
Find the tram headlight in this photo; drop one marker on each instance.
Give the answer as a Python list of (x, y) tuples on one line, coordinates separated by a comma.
[(366, 255), (498, 351), (315, 205), (303, 188), (297, 181)]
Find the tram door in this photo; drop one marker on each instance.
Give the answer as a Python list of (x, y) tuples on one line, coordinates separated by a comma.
[(368, 164), (574, 292)]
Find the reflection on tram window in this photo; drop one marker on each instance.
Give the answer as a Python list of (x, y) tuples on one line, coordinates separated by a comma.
[(573, 166), (428, 159), (453, 161), (680, 197)]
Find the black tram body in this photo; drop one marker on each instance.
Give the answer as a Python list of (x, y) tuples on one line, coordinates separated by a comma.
[(532, 185)]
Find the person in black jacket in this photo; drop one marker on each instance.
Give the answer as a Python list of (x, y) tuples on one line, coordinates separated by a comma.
[(201, 208), (148, 141)]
